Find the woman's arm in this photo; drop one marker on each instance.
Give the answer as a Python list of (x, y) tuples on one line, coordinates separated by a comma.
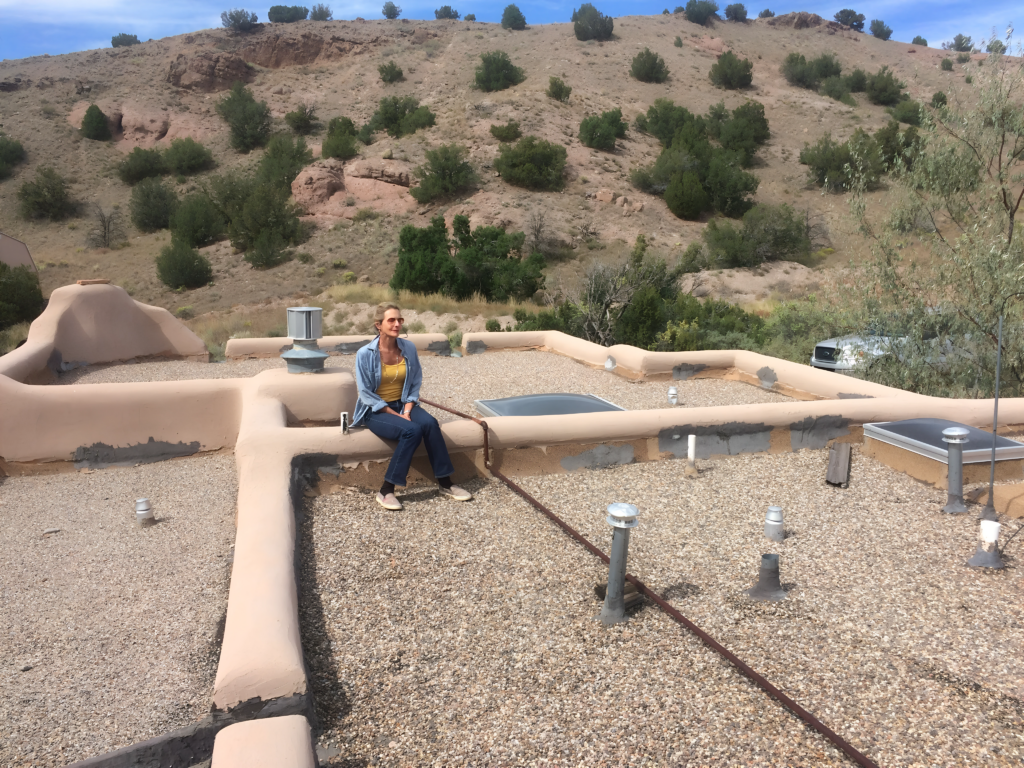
[(414, 372), (366, 380)]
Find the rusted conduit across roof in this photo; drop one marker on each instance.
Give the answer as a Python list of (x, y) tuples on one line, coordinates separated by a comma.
[(840, 743)]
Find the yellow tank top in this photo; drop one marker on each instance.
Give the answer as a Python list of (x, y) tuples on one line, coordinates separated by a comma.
[(392, 382)]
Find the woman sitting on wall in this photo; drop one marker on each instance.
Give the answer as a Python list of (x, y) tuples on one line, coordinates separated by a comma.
[(389, 376)]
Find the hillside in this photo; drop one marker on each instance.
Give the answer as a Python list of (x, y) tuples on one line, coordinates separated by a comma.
[(168, 88)]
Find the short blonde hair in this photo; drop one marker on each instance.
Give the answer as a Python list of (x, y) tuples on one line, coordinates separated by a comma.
[(382, 309)]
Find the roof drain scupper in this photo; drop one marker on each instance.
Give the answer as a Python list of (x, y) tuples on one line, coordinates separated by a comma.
[(838, 741)]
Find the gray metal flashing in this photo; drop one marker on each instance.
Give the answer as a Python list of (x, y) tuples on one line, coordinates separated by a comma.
[(100, 455), (924, 437), (767, 377), (599, 457), (816, 431), (440, 348), (548, 404), (729, 439), (684, 371)]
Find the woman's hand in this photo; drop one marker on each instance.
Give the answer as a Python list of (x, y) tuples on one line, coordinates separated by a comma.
[(403, 415)]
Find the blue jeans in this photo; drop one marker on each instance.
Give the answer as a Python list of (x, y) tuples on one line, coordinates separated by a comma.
[(422, 427)]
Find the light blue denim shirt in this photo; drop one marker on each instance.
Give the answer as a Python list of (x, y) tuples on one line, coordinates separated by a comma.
[(368, 377)]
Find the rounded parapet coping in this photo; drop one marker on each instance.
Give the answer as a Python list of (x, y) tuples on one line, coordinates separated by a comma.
[(247, 349), (273, 742), (310, 396)]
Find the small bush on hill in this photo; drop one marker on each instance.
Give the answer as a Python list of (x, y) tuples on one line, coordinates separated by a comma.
[(894, 146), (851, 18), (47, 196), (946, 65), (730, 72), (685, 196), (736, 12), (767, 13), (303, 120), (649, 67), (832, 165), (141, 164), (196, 221), (701, 11), (800, 72), (938, 99), (282, 162), (508, 132), (768, 233), (857, 81), (880, 30), (678, 42), (398, 116), (187, 156), (238, 20), (487, 261), (908, 112), (287, 14), (590, 24), (11, 154), (152, 205), (21, 298), (601, 132), (446, 12), (532, 163), (321, 12), (558, 90), (995, 46), (390, 72), (94, 124), (918, 40), (962, 43), (837, 88), (248, 119), (341, 139), (469, 17), (122, 39), (391, 11), (180, 266), (512, 18), (963, 58), (444, 174), (497, 72), (260, 219), (883, 88)]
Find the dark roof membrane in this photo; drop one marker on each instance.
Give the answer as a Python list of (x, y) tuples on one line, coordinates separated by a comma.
[(924, 436), (554, 404)]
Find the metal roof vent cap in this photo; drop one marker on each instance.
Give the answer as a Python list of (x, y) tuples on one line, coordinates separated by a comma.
[(773, 524), (955, 438), (305, 326), (621, 517), (144, 513), (673, 395)]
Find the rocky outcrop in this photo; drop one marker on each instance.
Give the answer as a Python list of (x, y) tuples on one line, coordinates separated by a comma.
[(208, 71), (388, 171), (276, 51), (317, 182), (143, 126)]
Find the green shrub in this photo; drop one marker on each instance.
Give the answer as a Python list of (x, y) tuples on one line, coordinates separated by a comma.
[(497, 72), (730, 72), (391, 11), (258, 216), (857, 81), (122, 39), (21, 298), (664, 119), (558, 90), (852, 19), (267, 251), (512, 18), (390, 72), (444, 174), (685, 196), (398, 116), (649, 67), (446, 12), (492, 325), (908, 112), (768, 233), (11, 154), (141, 164), (895, 146), (946, 65), (880, 30), (918, 40), (152, 205), (469, 17), (283, 161), (963, 58), (678, 42), (248, 119), (601, 132), (938, 99), (832, 165), (339, 145), (321, 12), (486, 260), (341, 125), (180, 266), (962, 43), (287, 14), (588, 23), (728, 186), (883, 88), (238, 20), (968, 79), (996, 46), (303, 120), (196, 221), (736, 12), (46, 196), (670, 163), (767, 13), (94, 124), (508, 132), (187, 156), (701, 11), (532, 163), (800, 72), (837, 88)]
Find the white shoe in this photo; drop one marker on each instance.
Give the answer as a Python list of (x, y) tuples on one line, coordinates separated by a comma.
[(389, 502), (456, 493)]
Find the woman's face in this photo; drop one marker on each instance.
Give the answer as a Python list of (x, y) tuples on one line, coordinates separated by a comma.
[(391, 325)]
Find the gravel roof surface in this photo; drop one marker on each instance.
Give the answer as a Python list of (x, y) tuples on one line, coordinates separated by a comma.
[(109, 634), (457, 382), (463, 634)]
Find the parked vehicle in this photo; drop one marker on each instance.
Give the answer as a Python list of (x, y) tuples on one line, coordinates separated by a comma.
[(850, 354)]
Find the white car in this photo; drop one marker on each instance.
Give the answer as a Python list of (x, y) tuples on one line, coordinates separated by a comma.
[(849, 354)]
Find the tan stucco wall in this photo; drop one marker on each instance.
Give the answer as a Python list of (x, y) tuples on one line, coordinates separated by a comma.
[(275, 742)]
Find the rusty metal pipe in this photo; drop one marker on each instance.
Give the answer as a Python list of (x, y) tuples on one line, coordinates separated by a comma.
[(838, 741)]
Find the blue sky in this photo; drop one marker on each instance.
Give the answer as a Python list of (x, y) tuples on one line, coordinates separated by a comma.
[(32, 27)]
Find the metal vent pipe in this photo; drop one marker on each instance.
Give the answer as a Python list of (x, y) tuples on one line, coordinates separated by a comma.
[(621, 517), (954, 438)]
